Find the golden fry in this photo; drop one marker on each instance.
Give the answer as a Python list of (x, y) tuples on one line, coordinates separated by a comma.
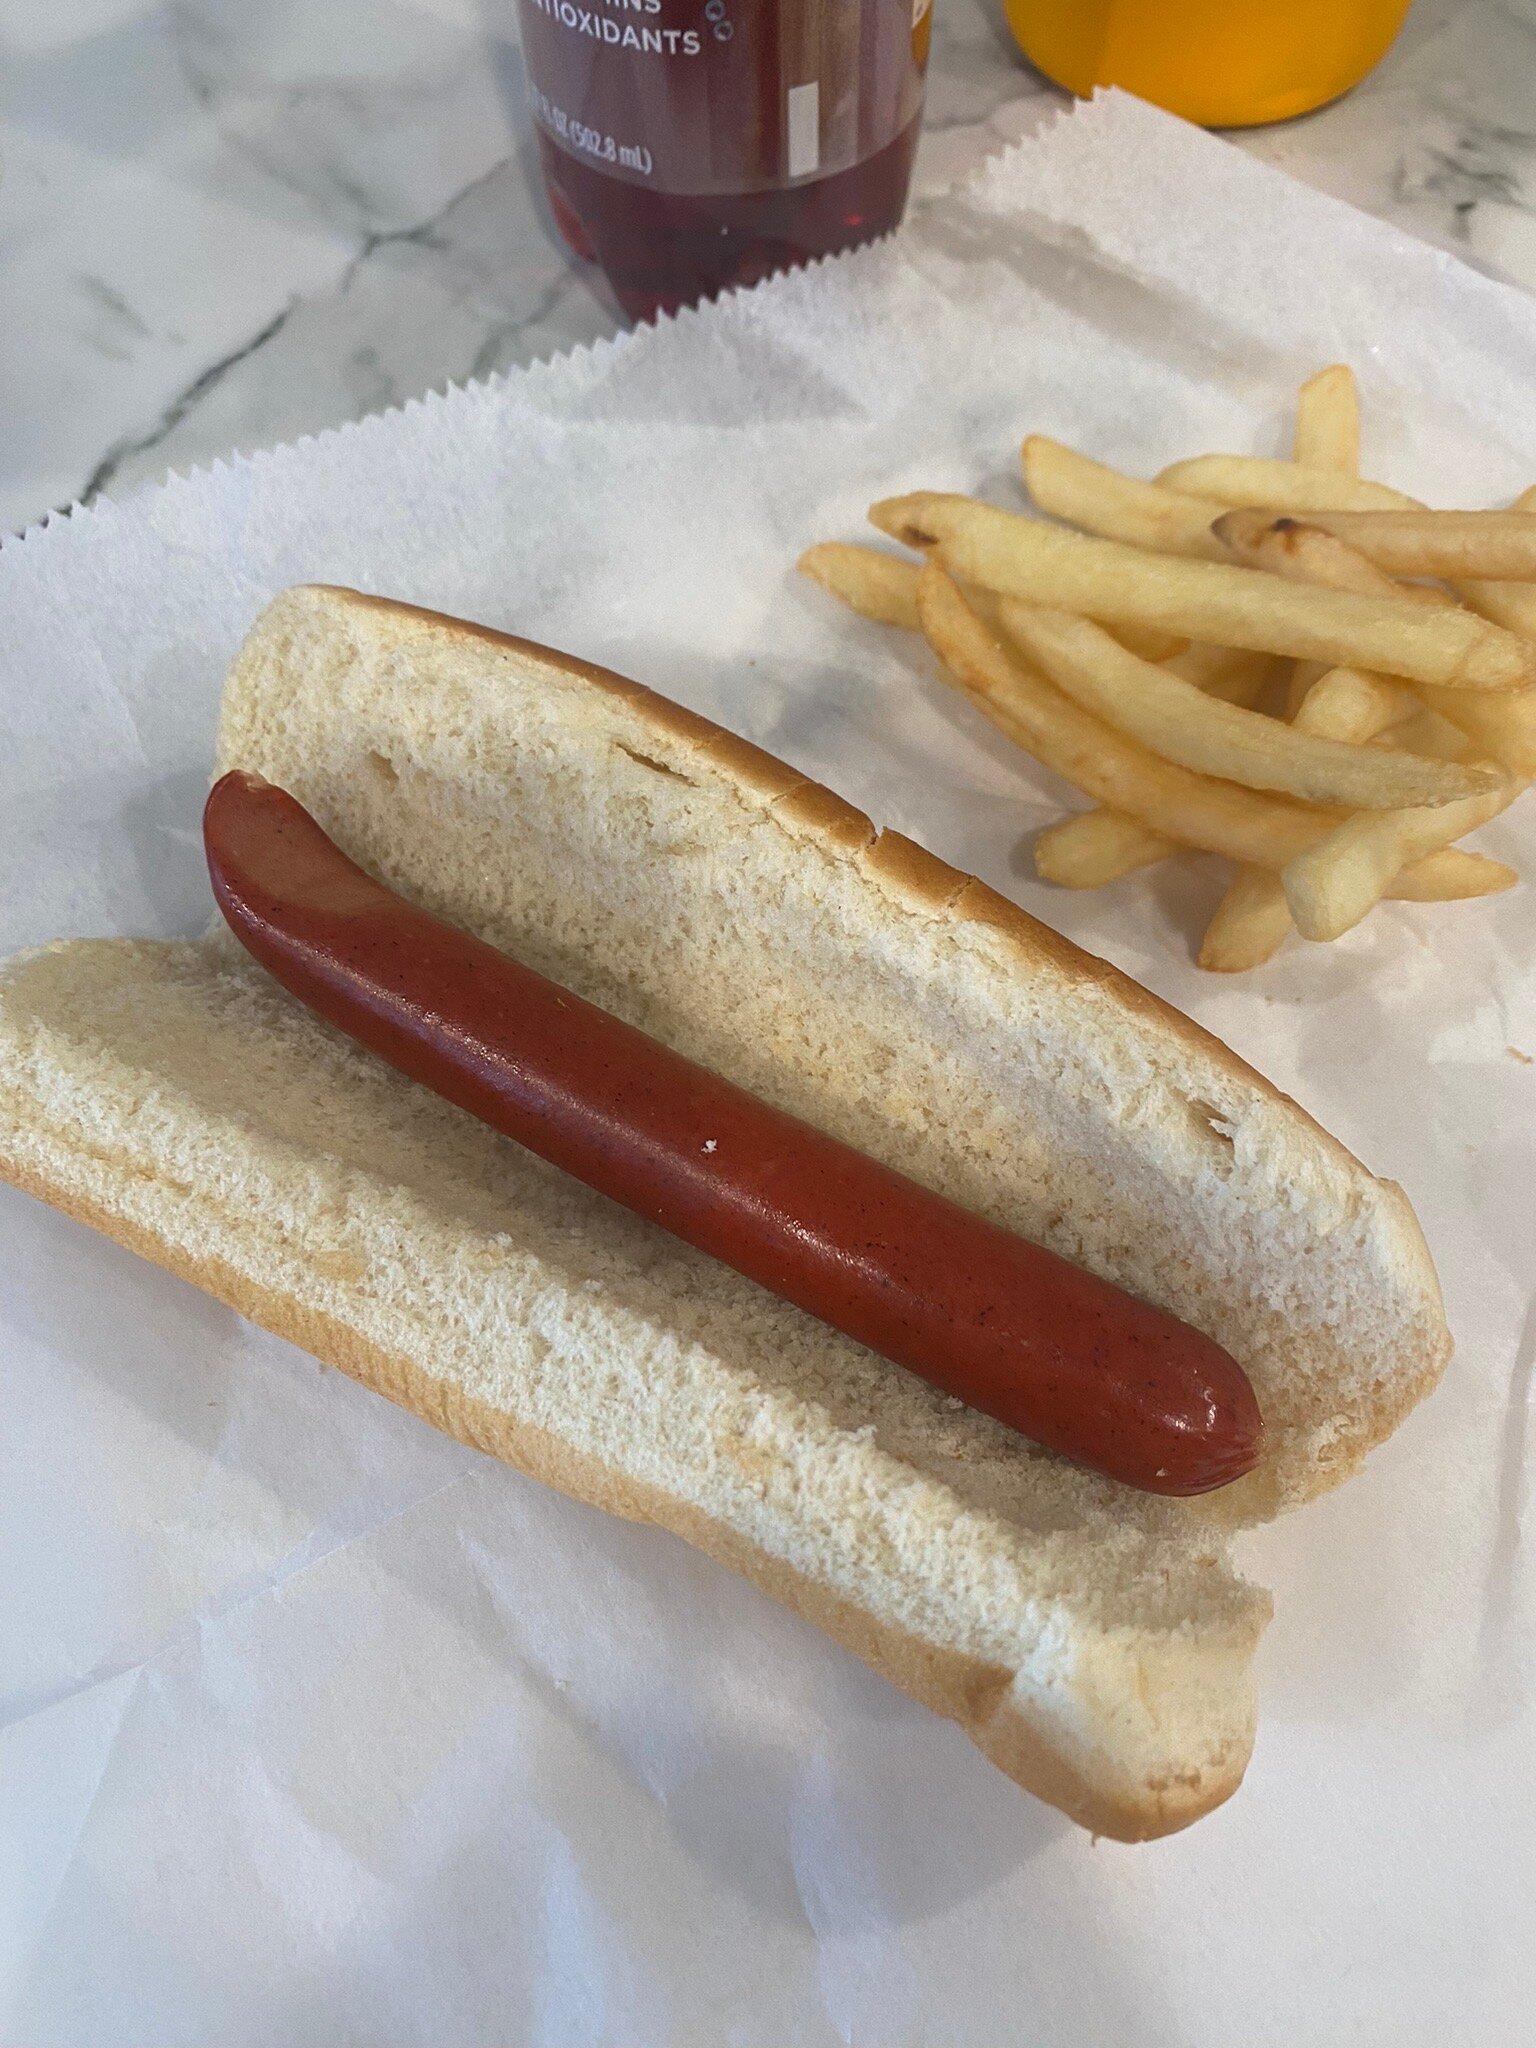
[(1332, 886), (1512, 605), (874, 584), (1354, 704), (1303, 675), (1503, 726), (1100, 846), (1250, 924), (1328, 422), (1427, 733), (1500, 545), (1280, 486), (917, 518), (1041, 564), (1253, 919), (1175, 720), (1101, 500), (1452, 876), (1096, 759), (1306, 552), (1095, 847)]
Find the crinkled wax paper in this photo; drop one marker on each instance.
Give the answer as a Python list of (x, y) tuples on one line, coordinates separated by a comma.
[(323, 1728)]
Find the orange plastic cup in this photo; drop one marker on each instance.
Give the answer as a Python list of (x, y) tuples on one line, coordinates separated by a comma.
[(1223, 63)]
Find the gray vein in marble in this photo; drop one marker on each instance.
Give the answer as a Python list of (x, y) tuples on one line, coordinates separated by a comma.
[(302, 133), (272, 163), (427, 233), (1455, 176), (117, 329), (499, 350), (1480, 164), (112, 302), (182, 406)]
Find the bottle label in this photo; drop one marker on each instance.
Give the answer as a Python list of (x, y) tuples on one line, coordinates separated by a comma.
[(715, 96)]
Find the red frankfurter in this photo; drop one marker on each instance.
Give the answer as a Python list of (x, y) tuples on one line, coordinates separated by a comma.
[(1053, 1351)]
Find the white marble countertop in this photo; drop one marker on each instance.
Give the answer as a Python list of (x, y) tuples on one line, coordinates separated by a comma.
[(224, 223)]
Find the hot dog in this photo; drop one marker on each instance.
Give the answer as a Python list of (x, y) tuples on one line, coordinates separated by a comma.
[(1051, 1350)]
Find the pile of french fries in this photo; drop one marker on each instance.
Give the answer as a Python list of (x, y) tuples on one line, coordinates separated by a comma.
[(1309, 674)]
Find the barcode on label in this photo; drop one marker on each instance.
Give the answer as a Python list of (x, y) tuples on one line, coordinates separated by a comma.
[(802, 114)]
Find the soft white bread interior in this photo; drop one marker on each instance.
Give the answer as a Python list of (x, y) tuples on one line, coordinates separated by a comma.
[(1092, 1640)]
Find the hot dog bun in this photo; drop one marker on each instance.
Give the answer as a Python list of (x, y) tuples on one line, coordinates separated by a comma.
[(1091, 1639), (712, 895), (171, 1095)]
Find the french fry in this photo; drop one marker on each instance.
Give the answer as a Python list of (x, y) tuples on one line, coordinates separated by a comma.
[(1250, 924), (1280, 486), (1100, 852), (1504, 726), (1334, 884), (874, 584), (1427, 733), (1306, 552), (1129, 657), (1303, 675), (883, 586), (1496, 545), (1354, 704), (1100, 846), (1254, 919), (1328, 422), (1101, 500), (1173, 719), (1041, 564), (1512, 605), (1095, 847), (1452, 876), (1094, 758), (1331, 886)]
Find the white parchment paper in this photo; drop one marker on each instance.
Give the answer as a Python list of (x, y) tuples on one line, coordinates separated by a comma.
[(320, 1727)]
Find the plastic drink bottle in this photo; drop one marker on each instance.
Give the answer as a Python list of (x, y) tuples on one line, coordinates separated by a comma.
[(691, 145)]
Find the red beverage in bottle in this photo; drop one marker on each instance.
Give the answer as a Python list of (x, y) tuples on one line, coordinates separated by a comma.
[(692, 145)]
